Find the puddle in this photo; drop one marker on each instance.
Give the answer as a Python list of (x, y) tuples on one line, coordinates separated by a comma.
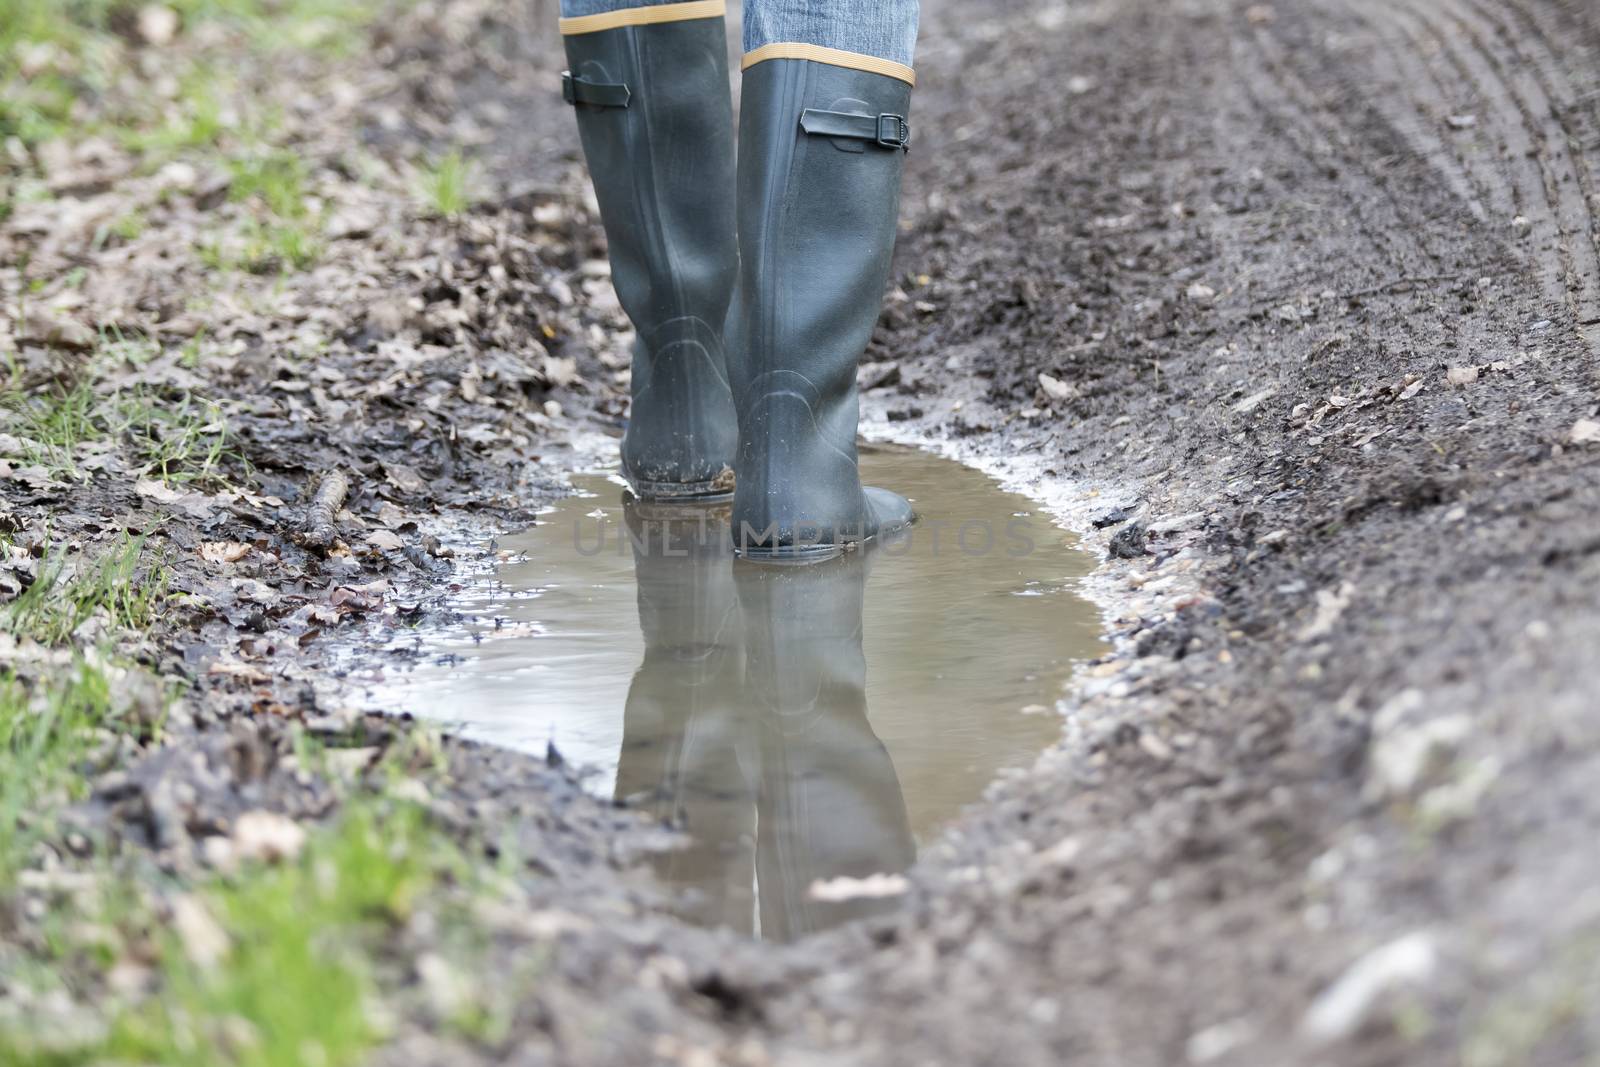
[(803, 724)]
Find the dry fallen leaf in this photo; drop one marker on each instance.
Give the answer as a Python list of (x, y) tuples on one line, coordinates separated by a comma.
[(157, 491), (224, 551), (1055, 388), (1585, 432), (404, 478), (242, 671), (346, 599), (385, 541), (1461, 375)]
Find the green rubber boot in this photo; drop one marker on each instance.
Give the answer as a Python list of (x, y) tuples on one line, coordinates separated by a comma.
[(656, 120), (821, 148)]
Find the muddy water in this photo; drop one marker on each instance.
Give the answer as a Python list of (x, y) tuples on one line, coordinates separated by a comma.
[(804, 724)]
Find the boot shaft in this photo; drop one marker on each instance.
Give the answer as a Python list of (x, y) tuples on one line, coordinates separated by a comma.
[(655, 115), (820, 161)]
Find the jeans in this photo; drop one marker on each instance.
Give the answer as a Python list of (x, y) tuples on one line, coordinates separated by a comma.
[(885, 29)]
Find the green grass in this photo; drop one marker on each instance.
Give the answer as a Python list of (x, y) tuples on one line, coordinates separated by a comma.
[(65, 72), (58, 55), (176, 441), (52, 424), (283, 234), (295, 986), (442, 187), (275, 179), (172, 435), (294, 982), (119, 585), (47, 734)]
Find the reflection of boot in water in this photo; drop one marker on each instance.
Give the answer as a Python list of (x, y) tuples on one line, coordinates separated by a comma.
[(679, 758), (830, 803)]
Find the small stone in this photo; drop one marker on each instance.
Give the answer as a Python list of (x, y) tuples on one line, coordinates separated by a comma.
[(1055, 389), (1217, 1041), (447, 989), (877, 375), (1178, 523), (1129, 542), (1330, 605), (267, 837)]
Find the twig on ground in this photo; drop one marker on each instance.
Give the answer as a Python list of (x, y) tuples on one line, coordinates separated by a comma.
[(331, 491)]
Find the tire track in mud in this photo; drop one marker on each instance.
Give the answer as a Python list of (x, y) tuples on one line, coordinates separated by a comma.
[(1400, 239), (1563, 99), (1417, 101), (1288, 127), (1537, 162)]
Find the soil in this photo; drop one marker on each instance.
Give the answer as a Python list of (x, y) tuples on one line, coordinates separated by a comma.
[(1300, 302)]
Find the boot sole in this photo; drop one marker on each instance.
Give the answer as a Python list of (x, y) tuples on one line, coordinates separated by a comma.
[(715, 491)]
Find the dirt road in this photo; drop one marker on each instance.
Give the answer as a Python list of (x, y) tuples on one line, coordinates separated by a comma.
[(1301, 299)]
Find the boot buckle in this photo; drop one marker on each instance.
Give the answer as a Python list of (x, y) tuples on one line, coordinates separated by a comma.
[(894, 132)]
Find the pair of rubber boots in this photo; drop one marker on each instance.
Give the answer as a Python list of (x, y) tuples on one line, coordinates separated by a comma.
[(753, 288)]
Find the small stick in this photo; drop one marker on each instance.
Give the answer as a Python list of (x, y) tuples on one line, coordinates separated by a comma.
[(331, 492)]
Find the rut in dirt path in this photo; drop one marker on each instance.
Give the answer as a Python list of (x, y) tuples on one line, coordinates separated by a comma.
[(1522, 132)]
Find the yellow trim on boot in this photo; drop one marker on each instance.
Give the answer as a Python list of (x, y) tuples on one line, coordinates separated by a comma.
[(833, 57), (643, 16)]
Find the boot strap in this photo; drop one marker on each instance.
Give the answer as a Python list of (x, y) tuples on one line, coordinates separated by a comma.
[(888, 130), (575, 90)]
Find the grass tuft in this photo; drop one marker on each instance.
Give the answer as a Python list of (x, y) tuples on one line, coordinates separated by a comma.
[(172, 435), (65, 595), (294, 986), (443, 186)]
